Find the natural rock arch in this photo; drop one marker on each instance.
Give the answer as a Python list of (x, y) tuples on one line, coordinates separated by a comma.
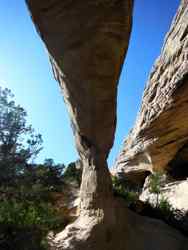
[(87, 41)]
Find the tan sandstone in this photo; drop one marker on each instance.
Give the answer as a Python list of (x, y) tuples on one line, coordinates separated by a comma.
[(87, 41), (161, 128)]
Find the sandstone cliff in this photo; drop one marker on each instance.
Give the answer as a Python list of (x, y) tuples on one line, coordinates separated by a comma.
[(160, 135)]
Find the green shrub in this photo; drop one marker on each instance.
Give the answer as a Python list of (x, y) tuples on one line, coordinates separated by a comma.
[(162, 203), (27, 213), (72, 174), (27, 218), (165, 207), (121, 188), (155, 184)]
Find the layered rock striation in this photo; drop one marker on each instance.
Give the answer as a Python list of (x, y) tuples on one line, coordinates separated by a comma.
[(161, 129)]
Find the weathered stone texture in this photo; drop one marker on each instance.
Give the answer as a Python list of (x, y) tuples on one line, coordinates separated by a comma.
[(175, 192), (161, 128), (87, 41)]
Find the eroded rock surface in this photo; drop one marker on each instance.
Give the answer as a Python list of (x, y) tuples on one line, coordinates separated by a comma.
[(87, 41), (161, 128), (175, 192)]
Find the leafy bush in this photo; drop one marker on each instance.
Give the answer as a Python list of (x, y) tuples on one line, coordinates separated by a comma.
[(72, 174), (47, 175), (155, 184), (28, 213), (155, 181), (36, 217), (165, 207), (122, 189)]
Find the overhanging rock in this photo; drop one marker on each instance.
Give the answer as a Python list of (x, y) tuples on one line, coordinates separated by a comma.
[(161, 128)]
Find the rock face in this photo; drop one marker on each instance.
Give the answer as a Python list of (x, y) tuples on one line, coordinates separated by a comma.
[(68, 201), (87, 41), (161, 129), (174, 192)]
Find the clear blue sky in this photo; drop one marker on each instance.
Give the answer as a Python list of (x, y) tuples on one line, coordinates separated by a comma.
[(25, 69)]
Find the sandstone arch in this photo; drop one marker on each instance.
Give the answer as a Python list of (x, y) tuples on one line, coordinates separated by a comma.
[(87, 42)]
